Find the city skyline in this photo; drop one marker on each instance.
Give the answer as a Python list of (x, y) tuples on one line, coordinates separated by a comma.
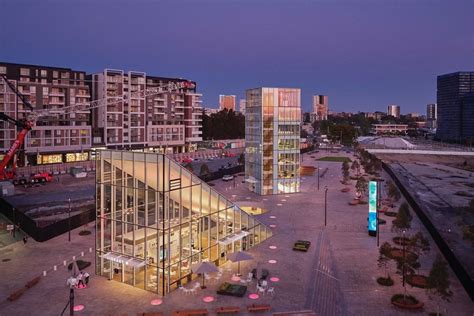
[(361, 67)]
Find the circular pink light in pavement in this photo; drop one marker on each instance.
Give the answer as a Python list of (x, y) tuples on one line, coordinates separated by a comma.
[(78, 308), (235, 278), (253, 296), (272, 226), (156, 301), (272, 261), (273, 216), (274, 279), (208, 299), (272, 247)]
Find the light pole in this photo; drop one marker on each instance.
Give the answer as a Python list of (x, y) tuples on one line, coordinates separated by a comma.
[(403, 267), (325, 205), (14, 223), (69, 220), (318, 178)]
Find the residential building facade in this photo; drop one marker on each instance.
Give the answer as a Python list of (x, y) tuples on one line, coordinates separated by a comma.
[(169, 121), (455, 107), (431, 115), (393, 110), (56, 137), (320, 108), (272, 137), (155, 219), (227, 102), (381, 129), (242, 104)]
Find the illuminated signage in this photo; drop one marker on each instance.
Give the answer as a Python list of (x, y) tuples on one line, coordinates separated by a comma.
[(372, 224)]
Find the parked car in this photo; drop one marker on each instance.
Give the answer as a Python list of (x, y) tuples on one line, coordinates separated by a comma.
[(228, 177)]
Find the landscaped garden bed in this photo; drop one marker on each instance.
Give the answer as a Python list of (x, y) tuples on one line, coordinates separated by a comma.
[(391, 214), (406, 302), (396, 253), (401, 240), (417, 280), (385, 281)]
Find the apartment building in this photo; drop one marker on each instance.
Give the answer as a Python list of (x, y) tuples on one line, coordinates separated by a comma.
[(166, 122), (58, 137)]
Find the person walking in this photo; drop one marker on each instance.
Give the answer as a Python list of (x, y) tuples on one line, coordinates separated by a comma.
[(25, 240)]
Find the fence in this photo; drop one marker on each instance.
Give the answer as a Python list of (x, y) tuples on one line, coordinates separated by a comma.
[(450, 257), (56, 168), (40, 234)]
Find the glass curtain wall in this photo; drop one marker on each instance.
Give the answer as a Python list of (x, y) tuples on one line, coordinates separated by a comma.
[(272, 162), (155, 219)]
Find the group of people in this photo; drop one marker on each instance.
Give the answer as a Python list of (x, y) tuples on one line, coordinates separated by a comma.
[(82, 279)]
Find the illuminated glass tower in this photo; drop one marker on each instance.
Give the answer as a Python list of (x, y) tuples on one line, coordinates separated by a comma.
[(272, 140)]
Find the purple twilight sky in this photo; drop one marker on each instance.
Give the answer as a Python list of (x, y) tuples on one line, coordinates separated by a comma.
[(364, 54)]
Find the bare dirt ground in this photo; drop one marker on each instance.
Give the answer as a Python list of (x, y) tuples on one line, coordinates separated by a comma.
[(50, 202), (443, 188)]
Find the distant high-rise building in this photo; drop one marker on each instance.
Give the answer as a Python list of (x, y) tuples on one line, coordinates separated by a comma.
[(209, 111), (320, 108), (455, 99), (227, 102), (272, 140), (431, 115), (242, 104), (393, 110)]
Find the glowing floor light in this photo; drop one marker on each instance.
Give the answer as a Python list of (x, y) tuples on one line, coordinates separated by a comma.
[(272, 261), (156, 301), (274, 279), (253, 296), (272, 247), (208, 299), (78, 308)]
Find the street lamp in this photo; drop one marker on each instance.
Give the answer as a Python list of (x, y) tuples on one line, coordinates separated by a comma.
[(69, 220), (325, 205), (318, 178)]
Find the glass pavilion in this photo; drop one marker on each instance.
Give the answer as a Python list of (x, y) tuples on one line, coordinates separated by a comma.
[(155, 219)]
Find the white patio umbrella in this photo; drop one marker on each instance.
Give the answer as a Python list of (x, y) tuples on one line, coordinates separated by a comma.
[(239, 256), (75, 269), (204, 267)]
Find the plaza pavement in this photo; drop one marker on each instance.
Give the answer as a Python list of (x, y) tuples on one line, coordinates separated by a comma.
[(335, 277)]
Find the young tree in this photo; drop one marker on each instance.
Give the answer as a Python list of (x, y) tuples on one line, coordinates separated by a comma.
[(361, 186), (355, 167), (345, 171), (204, 172), (403, 220), (384, 258), (419, 245), (393, 191), (438, 281), (189, 167)]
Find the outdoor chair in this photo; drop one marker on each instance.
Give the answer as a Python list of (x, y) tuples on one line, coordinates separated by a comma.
[(271, 290), (264, 284), (261, 290)]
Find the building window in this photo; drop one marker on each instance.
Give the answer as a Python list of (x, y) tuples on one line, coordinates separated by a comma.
[(44, 73), (24, 71), (3, 70)]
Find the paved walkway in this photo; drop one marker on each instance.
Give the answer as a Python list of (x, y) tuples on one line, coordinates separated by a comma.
[(335, 277)]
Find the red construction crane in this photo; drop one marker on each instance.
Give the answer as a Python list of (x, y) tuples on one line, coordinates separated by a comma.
[(25, 126)]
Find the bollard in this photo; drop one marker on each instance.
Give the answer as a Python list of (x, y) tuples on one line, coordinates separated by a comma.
[(44, 273), (64, 262), (90, 249), (55, 268), (73, 257), (82, 253)]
